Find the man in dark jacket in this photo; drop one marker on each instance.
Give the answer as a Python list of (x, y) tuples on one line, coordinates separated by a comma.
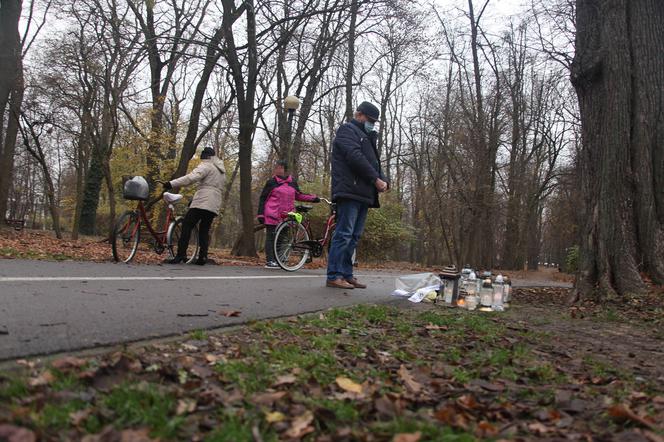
[(357, 179)]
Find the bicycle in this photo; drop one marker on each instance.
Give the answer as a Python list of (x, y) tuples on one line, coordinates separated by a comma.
[(292, 244), (127, 231)]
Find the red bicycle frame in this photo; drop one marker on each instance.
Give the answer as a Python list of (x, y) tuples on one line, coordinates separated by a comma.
[(159, 236), (329, 225)]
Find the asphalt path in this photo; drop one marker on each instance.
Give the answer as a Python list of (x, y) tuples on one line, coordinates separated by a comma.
[(50, 307)]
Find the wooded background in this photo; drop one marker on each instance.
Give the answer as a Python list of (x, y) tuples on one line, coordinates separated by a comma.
[(492, 161)]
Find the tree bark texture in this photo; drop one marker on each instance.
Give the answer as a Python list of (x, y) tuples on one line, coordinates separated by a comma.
[(11, 93), (618, 73)]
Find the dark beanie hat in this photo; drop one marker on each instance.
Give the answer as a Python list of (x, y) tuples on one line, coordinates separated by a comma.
[(282, 163), (369, 110), (208, 152)]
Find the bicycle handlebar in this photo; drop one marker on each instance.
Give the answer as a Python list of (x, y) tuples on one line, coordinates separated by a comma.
[(326, 201)]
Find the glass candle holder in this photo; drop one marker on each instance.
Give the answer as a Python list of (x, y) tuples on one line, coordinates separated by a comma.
[(497, 301), (471, 302), (486, 295)]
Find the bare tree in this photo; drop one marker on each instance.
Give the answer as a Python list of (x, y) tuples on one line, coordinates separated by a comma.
[(169, 28), (109, 48), (32, 133)]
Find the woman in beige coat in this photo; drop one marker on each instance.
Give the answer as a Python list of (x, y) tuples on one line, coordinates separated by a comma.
[(211, 177)]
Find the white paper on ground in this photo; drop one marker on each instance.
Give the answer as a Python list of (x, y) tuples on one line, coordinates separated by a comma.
[(420, 294), (399, 292)]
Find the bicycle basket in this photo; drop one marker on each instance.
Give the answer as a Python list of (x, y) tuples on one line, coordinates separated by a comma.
[(136, 188)]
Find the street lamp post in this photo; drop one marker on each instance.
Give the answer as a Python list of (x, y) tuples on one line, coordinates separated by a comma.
[(291, 103)]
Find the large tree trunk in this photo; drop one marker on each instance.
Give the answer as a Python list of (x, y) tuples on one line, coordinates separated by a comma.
[(108, 174), (11, 93), (101, 153), (91, 189), (81, 170), (7, 156), (618, 73), (246, 246), (246, 95)]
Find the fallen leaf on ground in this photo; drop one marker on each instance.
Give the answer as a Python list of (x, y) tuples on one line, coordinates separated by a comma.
[(185, 406), (407, 437), (77, 417), (213, 359), (486, 429), (12, 433), (468, 402), (487, 385), (386, 407), (285, 380), (653, 437), (141, 435), (123, 361), (268, 398), (300, 426), (622, 412), (230, 313), (189, 347), (202, 371), (431, 326), (45, 378), (409, 381), (539, 428), (25, 363), (275, 416), (349, 385), (68, 362), (451, 417)]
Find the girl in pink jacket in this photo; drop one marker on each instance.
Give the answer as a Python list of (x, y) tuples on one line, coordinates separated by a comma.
[(278, 196)]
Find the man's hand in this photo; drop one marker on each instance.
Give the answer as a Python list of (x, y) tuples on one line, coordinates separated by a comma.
[(381, 185)]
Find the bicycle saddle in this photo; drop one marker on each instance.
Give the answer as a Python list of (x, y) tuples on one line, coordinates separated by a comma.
[(171, 198), (302, 208)]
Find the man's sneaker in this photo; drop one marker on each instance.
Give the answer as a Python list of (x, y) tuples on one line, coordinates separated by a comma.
[(271, 265), (175, 260)]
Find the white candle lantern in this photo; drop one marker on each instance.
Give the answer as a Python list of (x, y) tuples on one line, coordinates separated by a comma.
[(498, 293), (486, 293), (508, 292), (471, 292)]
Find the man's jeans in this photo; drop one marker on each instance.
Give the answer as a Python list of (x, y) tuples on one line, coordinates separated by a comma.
[(351, 216)]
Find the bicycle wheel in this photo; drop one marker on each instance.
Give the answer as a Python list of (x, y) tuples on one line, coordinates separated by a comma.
[(289, 251), (126, 236), (173, 237)]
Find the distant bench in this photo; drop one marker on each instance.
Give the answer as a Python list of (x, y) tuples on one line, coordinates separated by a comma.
[(17, 224)]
